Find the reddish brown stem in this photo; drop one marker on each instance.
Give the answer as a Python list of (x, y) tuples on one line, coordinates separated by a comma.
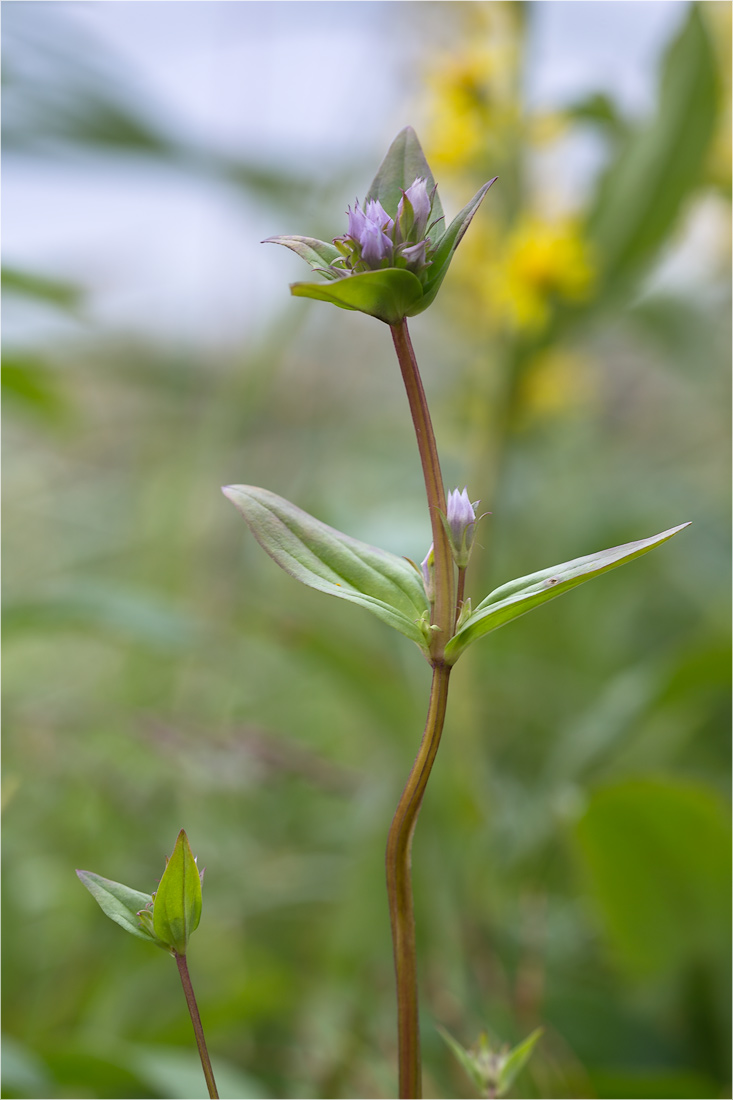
[(196, 1021)]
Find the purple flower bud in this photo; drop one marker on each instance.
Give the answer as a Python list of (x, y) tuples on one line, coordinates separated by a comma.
[(460, 524), (376, 214), (357, 220), (368, 229), (375, 245), (428, 574), (419, 200), (415, 254)]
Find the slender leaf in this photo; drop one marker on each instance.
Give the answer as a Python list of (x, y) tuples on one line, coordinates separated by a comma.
[(331, 562), (119, 902), (389, 295), (449, 242), (643, 191), (525, 593), (466, 1059), (177, 907), (404, 163), (319, 254), (514, 1062), (54, 292)]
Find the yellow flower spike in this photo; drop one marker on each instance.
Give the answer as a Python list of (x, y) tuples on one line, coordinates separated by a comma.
[(543, 261), (556, 383)]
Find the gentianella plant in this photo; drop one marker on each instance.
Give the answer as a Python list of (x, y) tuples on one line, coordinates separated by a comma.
[(390, 264)]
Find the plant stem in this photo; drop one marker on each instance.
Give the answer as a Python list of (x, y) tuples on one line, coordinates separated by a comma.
[(399, 842), (444, 607), (399, 889), (460, 594), (196, 1021)]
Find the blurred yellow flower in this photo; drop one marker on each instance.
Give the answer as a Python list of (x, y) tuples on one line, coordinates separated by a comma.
[(556, 382), (514, 281), (542, 262), (473, 108)]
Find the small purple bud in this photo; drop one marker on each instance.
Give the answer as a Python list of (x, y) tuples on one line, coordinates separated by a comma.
[(357, 220), (376, 213), (419, 200), (428, 574), (415, 255), (375, 245), (368, 229), (460, 524)]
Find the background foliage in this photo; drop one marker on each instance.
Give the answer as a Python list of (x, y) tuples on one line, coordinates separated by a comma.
[(571, 862)]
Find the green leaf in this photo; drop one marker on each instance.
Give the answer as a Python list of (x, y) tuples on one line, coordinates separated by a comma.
[(61, 293), (331, 562), (466, 1059), (645, 187), (404, 163), (515, 1061), (119, 902), (389, 295), (492, 1069), (449, 242), (519, 596), (319, 254), (177, 904), (29, 383), (656, 853)]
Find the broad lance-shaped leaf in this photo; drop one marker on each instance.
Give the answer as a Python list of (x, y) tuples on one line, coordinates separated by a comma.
[(404, 163), (119, 902), (519, 596), (389, 294), (329, 561), (177, 906), (319, 254)]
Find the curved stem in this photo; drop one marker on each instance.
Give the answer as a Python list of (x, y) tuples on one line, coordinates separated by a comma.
[(444, 607), (399, 887), (197, 1026), (399, 842)]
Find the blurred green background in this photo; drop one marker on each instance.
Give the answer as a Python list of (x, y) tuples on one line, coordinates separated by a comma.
[(571, 862)]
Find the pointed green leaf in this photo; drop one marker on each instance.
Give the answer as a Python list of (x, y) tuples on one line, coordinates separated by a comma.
[(329, 561), (525, 593), (647, 185), (177, 904), (319, 254), (389, 294), (514, 1062), (492, 1070), (119, 902), (466, 1059), (443, 255), (404, 163)]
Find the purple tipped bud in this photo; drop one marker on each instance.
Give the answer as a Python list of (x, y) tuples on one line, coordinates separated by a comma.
[(428, 574), (415, 255), (368, 229), (460, 523), (375, 245), (419, 200), (376, 214), (357, 220)]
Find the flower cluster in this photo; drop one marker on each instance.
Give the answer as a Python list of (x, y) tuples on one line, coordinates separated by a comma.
[(374, 240), (396, 252)]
